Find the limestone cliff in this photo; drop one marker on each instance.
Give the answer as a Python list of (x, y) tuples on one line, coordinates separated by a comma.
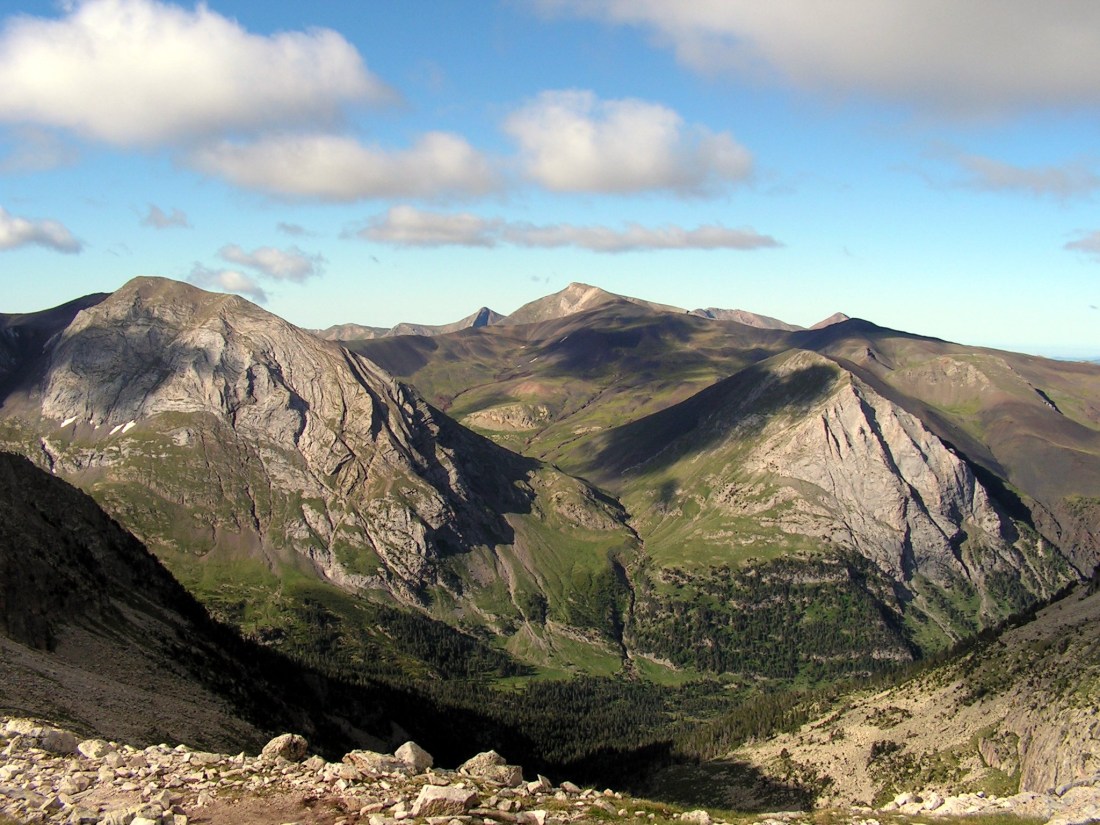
[(210, 426), (798, 457)]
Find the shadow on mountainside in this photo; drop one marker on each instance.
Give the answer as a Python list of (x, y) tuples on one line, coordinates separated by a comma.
[(730, 784), (747, 400)]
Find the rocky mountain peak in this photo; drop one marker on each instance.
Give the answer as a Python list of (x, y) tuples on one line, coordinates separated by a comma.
[(835, 318), (199, 374)]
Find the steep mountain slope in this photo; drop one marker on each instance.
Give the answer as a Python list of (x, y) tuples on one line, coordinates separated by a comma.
[(1032, 422), (258, 460), (799, 466), (839, 482), (23, 336), (1029, 423), (797, 458), (1016, 712), (93, 630)]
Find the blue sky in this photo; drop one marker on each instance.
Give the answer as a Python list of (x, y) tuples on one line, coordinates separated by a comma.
[(930, 165)]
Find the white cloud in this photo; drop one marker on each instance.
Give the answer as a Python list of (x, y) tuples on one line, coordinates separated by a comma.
[(636, 237), (157, 218), (228, 280), (1065, 181), (977, 56), (281, 265), (570, 141), (336, 168), (408, 226), (1088, 243), (142, 72), (17, 232)]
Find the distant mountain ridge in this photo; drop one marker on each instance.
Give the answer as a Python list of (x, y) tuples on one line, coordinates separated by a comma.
[(351, 332), (575, 298)]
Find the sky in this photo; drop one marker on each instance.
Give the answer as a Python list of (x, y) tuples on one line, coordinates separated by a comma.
[(929, 165)]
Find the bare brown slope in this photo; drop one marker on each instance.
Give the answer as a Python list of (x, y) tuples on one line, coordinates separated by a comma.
[(573, 299), (573, 376)]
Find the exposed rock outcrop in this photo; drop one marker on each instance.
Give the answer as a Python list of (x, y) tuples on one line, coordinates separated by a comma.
[(208, 423)]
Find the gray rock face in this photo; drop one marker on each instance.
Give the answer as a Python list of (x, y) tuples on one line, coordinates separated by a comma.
[(418, 759), (862, 473), (212, 428), (298, 442)]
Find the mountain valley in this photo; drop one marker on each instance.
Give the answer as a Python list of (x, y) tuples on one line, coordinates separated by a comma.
[(596, 505)]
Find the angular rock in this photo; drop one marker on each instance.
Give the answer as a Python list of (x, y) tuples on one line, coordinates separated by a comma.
[(492, 766), (697, 817), (434, 800), (369, 763), (288, 746), (418, 759), (95, 748)]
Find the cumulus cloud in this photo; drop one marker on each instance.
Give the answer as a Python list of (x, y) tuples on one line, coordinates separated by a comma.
[(142, 72), (1088, 243), (336, 168), (980, 55), (570, 141), (16, 232), (408, 226), (228, 280), (157, 218), (281, 265), (990, 175)]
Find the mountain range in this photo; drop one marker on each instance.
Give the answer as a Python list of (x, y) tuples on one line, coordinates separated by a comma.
[(574, 298), (593, 484)]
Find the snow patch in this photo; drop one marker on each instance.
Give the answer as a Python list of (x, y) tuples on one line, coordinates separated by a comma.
[(68, 421), (123, 428)]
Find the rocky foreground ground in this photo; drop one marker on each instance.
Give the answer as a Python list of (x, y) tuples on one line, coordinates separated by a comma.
[(50, 775)]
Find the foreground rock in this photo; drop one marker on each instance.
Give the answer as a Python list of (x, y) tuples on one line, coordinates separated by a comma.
[(48, 776)]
